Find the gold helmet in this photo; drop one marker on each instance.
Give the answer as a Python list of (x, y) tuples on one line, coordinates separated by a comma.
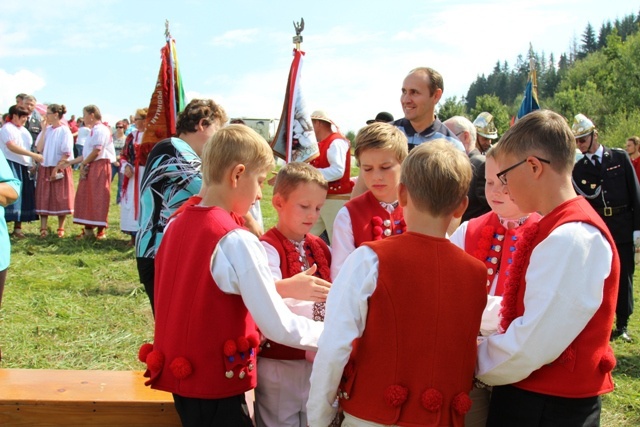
[(484, 125), (582, 126)]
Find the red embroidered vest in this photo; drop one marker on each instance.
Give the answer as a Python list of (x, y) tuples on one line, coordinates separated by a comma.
[(342, 185), (414, 363), (487, 240), (370, 221), (291, 264), (584, 368), (205, 340)]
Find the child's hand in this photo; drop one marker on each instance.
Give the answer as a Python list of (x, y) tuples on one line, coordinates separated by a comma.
[(304, 286)]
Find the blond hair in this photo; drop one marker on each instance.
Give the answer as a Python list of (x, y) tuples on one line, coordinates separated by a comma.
[(437, 177), (233, 145), (294, 174), (544, 133), (382, 136)]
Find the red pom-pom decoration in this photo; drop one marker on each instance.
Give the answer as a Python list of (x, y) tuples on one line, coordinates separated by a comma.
[(254, 340), (243, 344), (396, 395), (230, 348), (180, 368), (376, 220), (144, 351), (377, 231), (607, 363), (431, 400), (155, 361), (461, 403)]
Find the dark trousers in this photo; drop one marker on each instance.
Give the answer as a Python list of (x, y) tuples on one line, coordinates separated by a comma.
[(147, 273), (3, 278), (227, 412), (511, 406), (624, 306)]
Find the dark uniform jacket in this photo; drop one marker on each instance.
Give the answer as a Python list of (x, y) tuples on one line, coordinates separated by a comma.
[(477, 199), (612, 190)]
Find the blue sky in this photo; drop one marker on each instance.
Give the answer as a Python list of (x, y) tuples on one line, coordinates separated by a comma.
[(238, 53)]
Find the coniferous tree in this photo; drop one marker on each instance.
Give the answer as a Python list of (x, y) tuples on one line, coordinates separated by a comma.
[(589, 43)]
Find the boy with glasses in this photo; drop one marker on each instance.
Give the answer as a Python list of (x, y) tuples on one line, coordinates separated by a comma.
[(550, 360)]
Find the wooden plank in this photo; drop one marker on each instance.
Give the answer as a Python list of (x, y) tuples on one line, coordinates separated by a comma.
[(50, 385), (32, 397)]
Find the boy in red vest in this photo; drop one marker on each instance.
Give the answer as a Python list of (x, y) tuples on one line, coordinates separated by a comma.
[(403, 315), (214, 288), (374, 215), (551, 359), (283, 380)]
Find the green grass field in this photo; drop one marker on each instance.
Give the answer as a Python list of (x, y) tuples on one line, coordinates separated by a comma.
[(78, 305)]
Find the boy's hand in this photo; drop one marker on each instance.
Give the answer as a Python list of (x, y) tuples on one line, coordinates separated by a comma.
[(304, 286)]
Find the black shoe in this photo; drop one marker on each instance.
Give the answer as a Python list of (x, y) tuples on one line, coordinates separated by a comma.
[(620, 333)]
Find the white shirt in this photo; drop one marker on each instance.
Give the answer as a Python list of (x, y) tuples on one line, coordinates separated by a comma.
[(239, 266), (345, 320), (100, 138), (20, 136), (83, 134), (565, 282), (58, 142), (342, 241), (336, 155)]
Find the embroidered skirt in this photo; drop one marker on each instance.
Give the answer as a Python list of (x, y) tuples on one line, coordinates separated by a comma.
[(24, 209), (54, 197), (94, 195)]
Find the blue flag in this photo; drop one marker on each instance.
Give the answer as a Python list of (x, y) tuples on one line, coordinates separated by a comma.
[(530, 100)]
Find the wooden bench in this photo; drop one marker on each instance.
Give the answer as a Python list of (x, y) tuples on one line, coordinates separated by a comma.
[(42, 397)]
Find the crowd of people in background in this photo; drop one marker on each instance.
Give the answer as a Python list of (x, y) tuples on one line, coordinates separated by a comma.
[(519, 280)]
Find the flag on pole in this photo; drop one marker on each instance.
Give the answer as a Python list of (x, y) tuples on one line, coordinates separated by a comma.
[(530, 100), (295, 140), (167, 100)]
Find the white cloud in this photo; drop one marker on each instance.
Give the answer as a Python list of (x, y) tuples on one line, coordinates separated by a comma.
[(234, 37), (23, 81)]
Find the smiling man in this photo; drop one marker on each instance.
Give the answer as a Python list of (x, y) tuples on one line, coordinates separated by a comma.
[(421, 92)]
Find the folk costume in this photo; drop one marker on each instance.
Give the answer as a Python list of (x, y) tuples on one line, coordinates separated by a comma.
[(334, 162), (130, 196), (55, 196), (395, 373), (94, 189), (283, 379), (611, 187), (210, 271), (553, 353), (363, 219), (24, 209)]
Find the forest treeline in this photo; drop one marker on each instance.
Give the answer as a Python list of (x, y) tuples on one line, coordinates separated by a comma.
[(599, 77)]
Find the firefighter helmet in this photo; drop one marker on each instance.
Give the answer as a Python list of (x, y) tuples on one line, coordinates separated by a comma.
[(484, 125)]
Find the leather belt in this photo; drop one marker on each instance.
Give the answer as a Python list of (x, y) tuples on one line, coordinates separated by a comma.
[(611, 211)]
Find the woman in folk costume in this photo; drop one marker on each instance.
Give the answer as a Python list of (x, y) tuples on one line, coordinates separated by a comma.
[(132, 167), (15, 143), (54, 190), (94, 188), (492, 238)]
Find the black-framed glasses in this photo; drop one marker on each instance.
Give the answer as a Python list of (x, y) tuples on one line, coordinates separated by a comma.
[(119, 127), (502, 176), (584, 139)]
